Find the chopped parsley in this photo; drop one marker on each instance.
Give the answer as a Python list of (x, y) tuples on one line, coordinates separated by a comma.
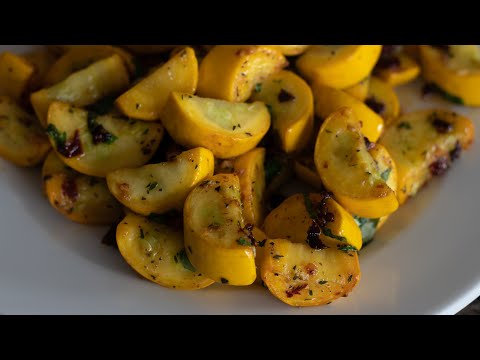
[(368, 227), (328, 232), (151, 186), (347, 248), (182, 256), (244, 242), (56, 136), (386, 174), (98, 132), (404, 125), (309, 206)]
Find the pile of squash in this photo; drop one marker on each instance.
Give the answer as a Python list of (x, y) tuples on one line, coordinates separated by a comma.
[(185, 149)]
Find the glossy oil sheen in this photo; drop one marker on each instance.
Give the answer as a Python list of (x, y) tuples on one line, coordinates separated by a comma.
[(423, 261)]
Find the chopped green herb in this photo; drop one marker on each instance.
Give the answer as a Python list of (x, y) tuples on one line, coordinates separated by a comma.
[(404, 125), (258, 87), (98, 132), (328, 232), (347, 248), (244, 242), (368, 227), (309, 206), (262, 243), (182, 256), (142, 235), (322, 282), (224, 281), (56, 136), (447, 96), (310, 292), (278, 256), (386, 174), (151, 186), (350, 278)]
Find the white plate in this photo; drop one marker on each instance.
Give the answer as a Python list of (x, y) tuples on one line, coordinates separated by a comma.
[(424, 261)]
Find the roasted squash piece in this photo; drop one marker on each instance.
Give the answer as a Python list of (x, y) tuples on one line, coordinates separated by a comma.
[(360, 90), (348, 170), (383, 100), (395, 66), (294, 219), (231, 72), (301, 276), (156, 251), (455, 69), (250, 171), (85, 87), (329, 100), (423, 144), (22, 139), (147, 99), (290, 101), (290, 50), (388, 172), (158, 188), (214, 232), (15, 74), (97, 145), (227, 129), (82, 56), (80, 198), (338, 66)]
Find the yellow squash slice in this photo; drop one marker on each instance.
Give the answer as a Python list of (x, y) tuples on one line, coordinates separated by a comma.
[(158, 188), (214, 232), (423, 144), (348, 170), (147, 99), (228, 129), (22, 139), (156, 251), (85, 87), (230, 72), (80, 198), (290, 101), (338, 66), (99, 144)]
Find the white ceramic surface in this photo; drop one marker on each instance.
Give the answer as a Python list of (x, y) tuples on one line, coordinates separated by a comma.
[(424, 261)]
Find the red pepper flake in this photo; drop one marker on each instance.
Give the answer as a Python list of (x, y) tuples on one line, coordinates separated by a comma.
[(370, 145), (69, 188), (439, 167), (295, 290), (73, 147), (442, 126), (285, 96)]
